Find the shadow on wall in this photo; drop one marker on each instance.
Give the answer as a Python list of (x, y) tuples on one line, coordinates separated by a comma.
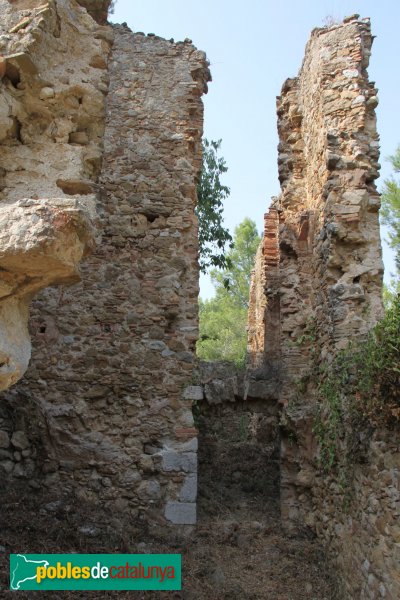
[(238, 443)]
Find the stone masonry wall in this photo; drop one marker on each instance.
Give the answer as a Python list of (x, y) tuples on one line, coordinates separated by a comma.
[(358, 519), (324, 289), (51, 126), (104, 406), (330, 264)]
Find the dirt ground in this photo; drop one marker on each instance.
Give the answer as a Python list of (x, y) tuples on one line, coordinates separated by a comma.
[(229, 556), (238, 550)]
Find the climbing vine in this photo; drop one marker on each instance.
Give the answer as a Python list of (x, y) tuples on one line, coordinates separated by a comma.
[(359, 393)]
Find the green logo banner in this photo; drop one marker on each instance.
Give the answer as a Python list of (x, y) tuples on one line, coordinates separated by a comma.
[(95, 571)]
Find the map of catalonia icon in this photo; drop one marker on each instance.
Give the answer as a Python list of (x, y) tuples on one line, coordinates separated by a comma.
[(23, 569)]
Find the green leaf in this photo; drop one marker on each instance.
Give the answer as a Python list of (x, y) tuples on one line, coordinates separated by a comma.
[(213, 236), (223, 319)]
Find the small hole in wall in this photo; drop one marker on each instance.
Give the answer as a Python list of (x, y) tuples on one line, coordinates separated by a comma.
[(334, 274), (357, 279), (171, 321), (287, 250), (80, 99), (17, 130), (150, 214), (13, 74), (42, 329)]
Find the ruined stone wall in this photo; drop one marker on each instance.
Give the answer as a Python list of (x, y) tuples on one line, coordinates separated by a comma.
[(51, 125), (105, 409), (264, 316), (256, 314), (325, 290), (358, 519), (330, 263), (103, 406)]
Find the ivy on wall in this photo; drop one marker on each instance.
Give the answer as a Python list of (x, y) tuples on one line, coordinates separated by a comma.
[(360, 392)]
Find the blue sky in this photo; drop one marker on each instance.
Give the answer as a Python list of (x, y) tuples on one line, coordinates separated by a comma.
[(253, 47)]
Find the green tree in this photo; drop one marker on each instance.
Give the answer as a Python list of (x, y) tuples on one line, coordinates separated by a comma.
[(213, 236), (390, 211), (223, 319), (235, 278), (390, 215)]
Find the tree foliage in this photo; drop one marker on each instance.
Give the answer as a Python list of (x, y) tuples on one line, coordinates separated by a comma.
[(390, 211), (223, 319), (222, 330), (213, 236), (235, 278)]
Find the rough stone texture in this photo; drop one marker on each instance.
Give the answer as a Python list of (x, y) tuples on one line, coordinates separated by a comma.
[(238, 423), (321, 271), (181, 513), (109, 383), (360, 521), (220, 382), (330, 255), (98, 9), (41, 243), (43, 232), (238, 445), (105, 410), (263, 348)]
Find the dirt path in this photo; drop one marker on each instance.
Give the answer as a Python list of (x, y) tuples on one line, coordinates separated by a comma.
[(238, 551), (244, 554)]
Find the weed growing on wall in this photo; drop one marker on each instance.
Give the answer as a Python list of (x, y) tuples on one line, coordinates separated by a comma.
[(360, 393)]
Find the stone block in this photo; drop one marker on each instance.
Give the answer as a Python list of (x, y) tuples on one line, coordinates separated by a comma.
[(7, 466), (261, 389), (356, 197), (189, 446), (221, 390), (179, 461), (149, 490), (181, 513), (188, 492), (4, 439), (193, 392), (19, 440)]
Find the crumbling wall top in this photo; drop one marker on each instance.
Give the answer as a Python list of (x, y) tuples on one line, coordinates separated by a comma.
[(98, 9)]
